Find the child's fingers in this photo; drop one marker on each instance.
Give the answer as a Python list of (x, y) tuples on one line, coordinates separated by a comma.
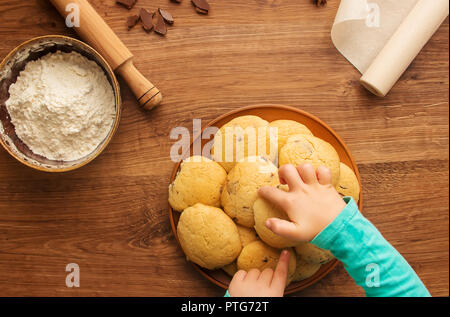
[(252, 275), (307, 173), (287, 229), (281, 271), (266, 276), (290, 175), (273, 195), (324, 175), (240, 275)]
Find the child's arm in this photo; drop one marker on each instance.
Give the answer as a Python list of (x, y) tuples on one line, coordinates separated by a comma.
[(369, 259), (318, 213)]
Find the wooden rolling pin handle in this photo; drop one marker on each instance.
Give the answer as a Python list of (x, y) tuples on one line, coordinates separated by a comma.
[(147, 94), (94, 30)]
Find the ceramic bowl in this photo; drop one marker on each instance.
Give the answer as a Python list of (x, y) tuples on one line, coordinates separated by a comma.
[(10, 68)]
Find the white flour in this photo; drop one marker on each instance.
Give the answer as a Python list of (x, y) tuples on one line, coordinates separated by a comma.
[(62, 106)]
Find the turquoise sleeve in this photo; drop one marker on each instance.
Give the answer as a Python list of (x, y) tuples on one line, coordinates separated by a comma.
[(371, 261)]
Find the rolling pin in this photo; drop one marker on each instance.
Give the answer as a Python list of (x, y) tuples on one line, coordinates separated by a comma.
[(404, 45), (94, 30)]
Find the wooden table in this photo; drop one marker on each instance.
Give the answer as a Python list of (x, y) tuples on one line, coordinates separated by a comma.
[(110, 217)]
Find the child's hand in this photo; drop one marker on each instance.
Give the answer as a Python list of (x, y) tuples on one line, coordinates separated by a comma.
[(311, 203), (261, 284)]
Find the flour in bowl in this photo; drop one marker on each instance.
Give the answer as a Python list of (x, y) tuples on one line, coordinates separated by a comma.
[(62, 106)]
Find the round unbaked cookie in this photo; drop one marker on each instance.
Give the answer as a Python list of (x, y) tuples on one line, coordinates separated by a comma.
[(288, 128), (258, 255), (208, 236), (264, 210), (231, 268), (241, 189), (301, 149), (304, 269), (244, 142), (348, 183), (247, 235), (313, 254), (199, 180)]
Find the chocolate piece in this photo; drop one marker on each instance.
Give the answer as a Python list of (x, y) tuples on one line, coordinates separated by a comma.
[(320, 2), (166, 16), (160, 25), (176, 1), (127, 3), (132, 21), (202, 6), (146, 19), (201, 11)]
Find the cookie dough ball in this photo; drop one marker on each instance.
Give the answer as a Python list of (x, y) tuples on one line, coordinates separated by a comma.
[(264, 210), (243, 143), (288, 128), (258, 255), (313, 254), (208, 236), (301, 149), (241, 189), (199, 180), (348, 183), (230, 269), (247, 235), (304, 269)]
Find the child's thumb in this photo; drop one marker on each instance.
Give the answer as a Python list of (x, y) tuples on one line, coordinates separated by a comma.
[(284, 228)]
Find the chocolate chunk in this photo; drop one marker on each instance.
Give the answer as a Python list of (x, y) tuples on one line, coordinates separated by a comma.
[(201, 11), (132, 21), (146, 19), (320, 2), (202, 6), (160, 25), (166, 16), (127, 3), (177, 1)]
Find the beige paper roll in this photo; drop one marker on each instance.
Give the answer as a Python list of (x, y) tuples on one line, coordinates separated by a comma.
[(404, 45)]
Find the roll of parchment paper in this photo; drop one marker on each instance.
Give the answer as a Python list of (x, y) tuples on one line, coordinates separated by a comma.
[(382, 37)]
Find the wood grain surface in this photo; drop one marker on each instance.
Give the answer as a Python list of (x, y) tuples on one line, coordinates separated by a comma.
[(110, 217)]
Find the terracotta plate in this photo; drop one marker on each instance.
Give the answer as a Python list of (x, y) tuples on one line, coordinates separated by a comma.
[(319, 129)]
